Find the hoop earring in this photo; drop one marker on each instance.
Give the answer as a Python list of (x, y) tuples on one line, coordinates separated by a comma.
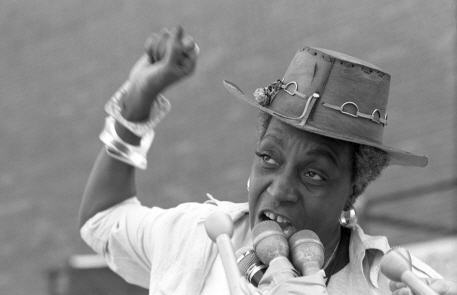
[(348, 218), (248, 184)]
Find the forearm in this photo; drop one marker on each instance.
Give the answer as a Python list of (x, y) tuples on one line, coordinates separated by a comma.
[(111, 180)]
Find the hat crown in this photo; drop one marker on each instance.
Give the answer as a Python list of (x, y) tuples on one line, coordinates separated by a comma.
[(353, 94)]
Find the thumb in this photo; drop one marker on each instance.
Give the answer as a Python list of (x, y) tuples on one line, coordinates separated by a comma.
[(178, 33), (151, 47), (174, 43)]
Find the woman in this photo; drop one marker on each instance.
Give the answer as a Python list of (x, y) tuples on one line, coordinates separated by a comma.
[(320, 144)]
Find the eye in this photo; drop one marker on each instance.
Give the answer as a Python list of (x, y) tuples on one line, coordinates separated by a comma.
[(313, 176), (266, 159)]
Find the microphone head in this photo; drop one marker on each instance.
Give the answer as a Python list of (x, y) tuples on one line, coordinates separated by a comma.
[(218, 223), (245, 257), (395, 262), (269, 241), (250, 265), (307, 251)]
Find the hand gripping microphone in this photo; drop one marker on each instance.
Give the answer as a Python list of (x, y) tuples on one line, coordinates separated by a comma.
[(250, 265), (219, 227), (307, 252), (396, 265)]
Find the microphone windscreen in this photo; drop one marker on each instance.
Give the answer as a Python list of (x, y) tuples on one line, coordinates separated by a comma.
[(218, 223), (307, 250), (303, 235), (269, 241), (264, 229), (396, 265)]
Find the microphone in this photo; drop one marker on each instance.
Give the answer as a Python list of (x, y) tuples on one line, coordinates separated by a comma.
[(269, 241), (396, 265), (250, 265), (307, 252), (219, 227), (272, 248)]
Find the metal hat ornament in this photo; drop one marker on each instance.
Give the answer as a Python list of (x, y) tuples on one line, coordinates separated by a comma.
[(331, 94)]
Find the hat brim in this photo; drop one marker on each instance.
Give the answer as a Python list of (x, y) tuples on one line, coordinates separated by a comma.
[(397, 156)]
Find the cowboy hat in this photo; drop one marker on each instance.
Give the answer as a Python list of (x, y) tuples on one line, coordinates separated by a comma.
[(331, 94)]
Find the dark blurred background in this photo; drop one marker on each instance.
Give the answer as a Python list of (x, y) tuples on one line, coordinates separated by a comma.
[(61, 60)]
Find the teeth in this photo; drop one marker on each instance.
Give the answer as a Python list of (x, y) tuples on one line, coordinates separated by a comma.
[(281, 219), (277, 218), (270, 215), (286, 226)]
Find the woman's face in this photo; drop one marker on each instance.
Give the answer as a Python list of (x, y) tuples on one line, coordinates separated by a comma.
[(301, 180)]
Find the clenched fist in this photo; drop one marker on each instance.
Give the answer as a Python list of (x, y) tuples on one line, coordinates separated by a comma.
[(170, 56)]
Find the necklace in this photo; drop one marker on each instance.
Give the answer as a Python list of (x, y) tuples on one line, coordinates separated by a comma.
[(332, 256)]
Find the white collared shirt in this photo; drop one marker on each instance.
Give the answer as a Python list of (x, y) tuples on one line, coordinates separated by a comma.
[(168, 251)]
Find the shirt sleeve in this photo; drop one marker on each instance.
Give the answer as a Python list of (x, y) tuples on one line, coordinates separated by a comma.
[(133, 238)]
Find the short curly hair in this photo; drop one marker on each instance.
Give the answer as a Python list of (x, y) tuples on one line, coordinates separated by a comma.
[(368, 161)]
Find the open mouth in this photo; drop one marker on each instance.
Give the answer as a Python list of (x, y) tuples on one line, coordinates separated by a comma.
[(285, 224)]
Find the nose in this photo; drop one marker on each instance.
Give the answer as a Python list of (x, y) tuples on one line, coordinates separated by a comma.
[(282, 189)]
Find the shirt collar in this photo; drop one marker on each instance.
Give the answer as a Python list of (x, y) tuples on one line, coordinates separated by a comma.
[(365, 253)]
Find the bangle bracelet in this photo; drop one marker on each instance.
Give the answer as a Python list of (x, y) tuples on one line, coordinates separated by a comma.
[(123, 151), (160, 107)]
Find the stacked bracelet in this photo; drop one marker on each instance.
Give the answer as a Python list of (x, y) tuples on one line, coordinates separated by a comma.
[(160, 107), (123, 151), (118, 148)]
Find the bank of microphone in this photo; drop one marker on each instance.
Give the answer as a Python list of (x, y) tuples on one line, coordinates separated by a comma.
[(304, 247), (396, 265)]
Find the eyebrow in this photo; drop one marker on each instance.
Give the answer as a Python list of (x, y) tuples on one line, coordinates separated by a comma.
[(317, 151), (275, 138), (325, 153)]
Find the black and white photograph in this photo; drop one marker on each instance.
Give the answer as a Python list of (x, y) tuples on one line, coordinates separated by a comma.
[(228, 147)]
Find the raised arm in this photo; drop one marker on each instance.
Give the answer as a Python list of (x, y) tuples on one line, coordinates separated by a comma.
[(170, 57)]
